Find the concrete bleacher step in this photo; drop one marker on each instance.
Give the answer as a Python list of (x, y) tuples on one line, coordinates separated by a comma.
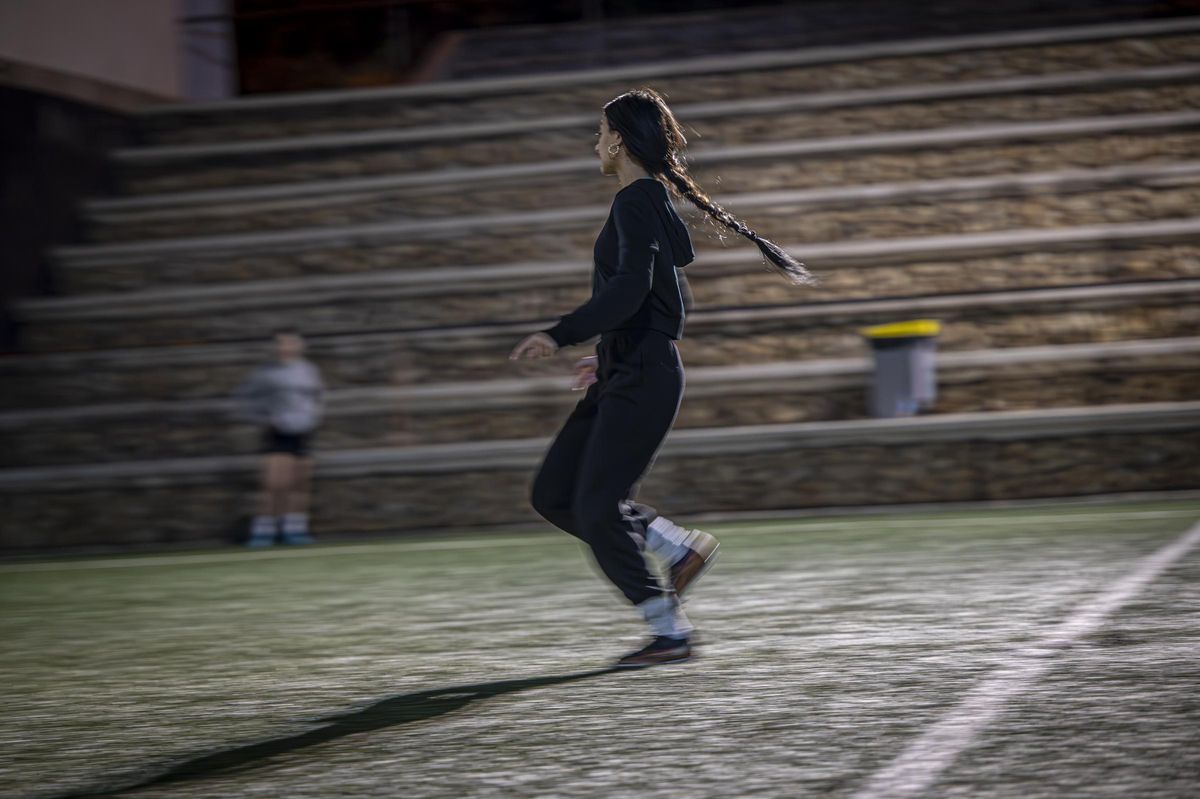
[(825, 163), (413, 299), (873, 65), (1130, 142), (994, 90), (313, 216), (952, 457), (771, 393), (1069, 315), (710, 125), (805, 219), (837, 153)]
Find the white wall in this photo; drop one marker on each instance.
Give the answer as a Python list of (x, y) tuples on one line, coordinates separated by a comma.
[(129, 43)]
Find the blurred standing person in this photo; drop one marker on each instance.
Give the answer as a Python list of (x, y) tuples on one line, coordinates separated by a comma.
[(590, 474), (285, 397)]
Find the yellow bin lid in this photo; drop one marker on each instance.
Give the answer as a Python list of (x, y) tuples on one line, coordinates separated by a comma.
[(914, 328)]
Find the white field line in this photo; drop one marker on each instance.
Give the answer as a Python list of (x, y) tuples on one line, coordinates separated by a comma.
[(484, 542), (922, 763)]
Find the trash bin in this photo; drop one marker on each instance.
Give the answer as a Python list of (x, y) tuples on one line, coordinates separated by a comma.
[(905, 378)]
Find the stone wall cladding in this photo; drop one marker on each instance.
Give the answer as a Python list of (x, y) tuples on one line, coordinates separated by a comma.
[(974, 64), (174, 511), (713, 287), (934, 472)]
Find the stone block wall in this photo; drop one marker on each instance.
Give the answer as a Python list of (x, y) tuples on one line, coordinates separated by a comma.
[(213, 505)]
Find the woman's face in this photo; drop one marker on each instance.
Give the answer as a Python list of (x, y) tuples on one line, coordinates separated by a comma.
[(605, 139)]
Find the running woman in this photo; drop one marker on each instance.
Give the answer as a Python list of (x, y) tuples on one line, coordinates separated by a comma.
[(589, 477), (286, 398)]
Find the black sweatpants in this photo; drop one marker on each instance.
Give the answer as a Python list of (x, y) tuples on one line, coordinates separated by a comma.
[(588, 479)]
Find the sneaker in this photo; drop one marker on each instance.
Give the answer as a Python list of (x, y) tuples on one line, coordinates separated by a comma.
[(262, 532), (702, 551), (661, 650), (295, 529)]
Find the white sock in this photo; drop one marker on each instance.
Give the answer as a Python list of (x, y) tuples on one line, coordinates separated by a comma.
[(263, 527), (666, 540), (665, 616), (295, 524)]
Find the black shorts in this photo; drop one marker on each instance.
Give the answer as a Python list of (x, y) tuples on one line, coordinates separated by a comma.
[(298, 444)]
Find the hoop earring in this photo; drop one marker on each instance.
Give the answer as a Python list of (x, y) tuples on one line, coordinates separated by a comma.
[(613, 149)]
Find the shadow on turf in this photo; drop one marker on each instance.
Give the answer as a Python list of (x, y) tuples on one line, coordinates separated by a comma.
[(393, 712)]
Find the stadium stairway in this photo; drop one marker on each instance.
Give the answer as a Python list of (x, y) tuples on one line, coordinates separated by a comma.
[(1036, 191)]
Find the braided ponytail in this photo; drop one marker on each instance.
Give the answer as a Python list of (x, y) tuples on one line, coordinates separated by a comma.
[(653, 137), (775, 255)]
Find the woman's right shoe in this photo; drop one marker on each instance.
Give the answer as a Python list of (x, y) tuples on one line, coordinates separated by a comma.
[(659, 651), (702, 551)]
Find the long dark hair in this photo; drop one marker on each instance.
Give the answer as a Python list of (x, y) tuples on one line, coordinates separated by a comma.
[(652, 136)]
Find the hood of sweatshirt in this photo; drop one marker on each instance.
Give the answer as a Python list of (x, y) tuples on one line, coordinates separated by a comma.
[(678, 236)]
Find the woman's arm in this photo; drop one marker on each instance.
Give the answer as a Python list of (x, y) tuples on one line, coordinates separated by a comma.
[(625, 291)]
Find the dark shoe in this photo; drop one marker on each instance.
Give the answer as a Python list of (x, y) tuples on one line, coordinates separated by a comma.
[(702, 551), (661, 650)]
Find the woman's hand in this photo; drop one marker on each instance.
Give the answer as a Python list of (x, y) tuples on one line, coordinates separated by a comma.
[(539, 345), (585, 373)]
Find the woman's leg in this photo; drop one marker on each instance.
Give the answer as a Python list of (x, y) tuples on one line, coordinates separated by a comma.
[(635, 412), (553, 493)]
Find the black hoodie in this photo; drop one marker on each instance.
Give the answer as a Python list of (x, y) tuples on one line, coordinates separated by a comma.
[(634, 285)]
